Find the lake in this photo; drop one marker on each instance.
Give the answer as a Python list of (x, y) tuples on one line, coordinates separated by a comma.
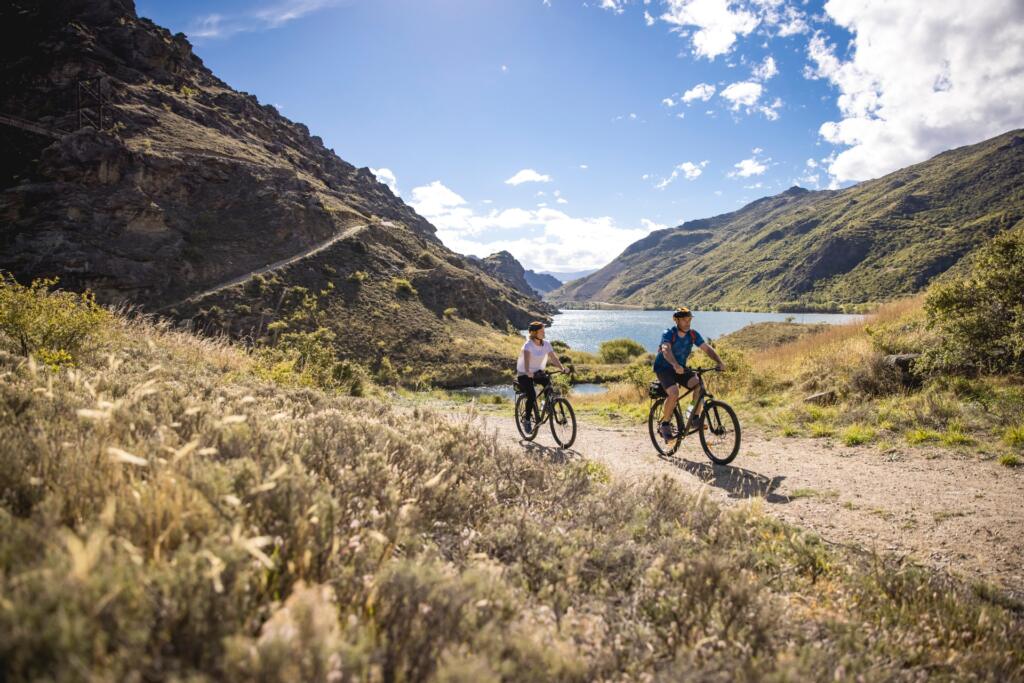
[(585, 330)]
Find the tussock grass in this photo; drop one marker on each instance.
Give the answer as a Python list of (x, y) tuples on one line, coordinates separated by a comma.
[(166, 513)]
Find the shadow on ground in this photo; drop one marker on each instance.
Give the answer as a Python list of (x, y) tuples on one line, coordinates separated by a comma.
[(556, 455), (740, 483)]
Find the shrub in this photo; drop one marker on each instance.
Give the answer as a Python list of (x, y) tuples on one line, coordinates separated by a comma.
[(1014, 436), (620, 350), (386, 373), (1010, 460), (358, 276), (55, 326), (559, 346), (857, 434), (403, 287), (919, 436), (980, 319), (451, 313)]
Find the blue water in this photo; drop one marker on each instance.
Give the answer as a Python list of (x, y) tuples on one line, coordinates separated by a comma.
[(508, 392), (585, 330)]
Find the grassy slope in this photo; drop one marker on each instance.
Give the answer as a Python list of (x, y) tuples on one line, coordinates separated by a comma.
[(768, 334), (871, 242), (165, 514)]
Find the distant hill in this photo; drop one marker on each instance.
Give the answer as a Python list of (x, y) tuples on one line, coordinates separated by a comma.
[(542, 282), (190, 187), (871, 242)]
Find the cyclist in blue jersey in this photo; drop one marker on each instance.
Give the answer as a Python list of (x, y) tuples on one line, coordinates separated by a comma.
[(670, 366)]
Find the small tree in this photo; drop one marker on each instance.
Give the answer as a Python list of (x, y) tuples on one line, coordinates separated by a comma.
[(980, 318)]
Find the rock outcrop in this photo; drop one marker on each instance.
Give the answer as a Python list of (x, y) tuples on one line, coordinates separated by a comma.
[(193, 185)]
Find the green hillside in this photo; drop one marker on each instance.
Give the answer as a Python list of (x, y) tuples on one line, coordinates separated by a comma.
[(872, 242)]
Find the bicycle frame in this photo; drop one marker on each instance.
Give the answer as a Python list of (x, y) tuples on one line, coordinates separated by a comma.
[(706, 397)]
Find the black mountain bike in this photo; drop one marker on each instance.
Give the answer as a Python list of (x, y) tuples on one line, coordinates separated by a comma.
[(552, 408), (718, 426)]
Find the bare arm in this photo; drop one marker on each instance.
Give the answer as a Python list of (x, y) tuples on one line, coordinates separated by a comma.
[(706, 348), (666, 353), (526, 361), (553, 357)]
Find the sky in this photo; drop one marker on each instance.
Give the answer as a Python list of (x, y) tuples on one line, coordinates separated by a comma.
[(564, 130)]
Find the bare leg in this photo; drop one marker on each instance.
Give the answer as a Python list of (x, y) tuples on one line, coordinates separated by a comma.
[(670, 402)]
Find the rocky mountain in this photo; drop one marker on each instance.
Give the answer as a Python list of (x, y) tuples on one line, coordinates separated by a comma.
[(874, 241), (187, 187), (542, 282), (505, 266)]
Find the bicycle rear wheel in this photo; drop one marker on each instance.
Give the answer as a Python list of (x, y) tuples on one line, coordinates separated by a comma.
[(719, 432), (654, 422), (520, 416), (563, 422)]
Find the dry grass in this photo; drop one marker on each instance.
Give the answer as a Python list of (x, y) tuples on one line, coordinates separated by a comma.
[(831, 341), (166, 515)]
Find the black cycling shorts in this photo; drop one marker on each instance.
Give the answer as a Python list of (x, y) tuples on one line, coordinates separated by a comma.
[(669, 378)]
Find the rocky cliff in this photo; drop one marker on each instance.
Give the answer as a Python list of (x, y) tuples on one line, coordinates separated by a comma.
[(191, 185), (871, 242)]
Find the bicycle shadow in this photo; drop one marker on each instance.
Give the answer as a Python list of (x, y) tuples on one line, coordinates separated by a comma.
[(556, 455), (738, 482)]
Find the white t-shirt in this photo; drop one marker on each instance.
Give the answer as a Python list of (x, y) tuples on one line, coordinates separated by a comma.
[(538, 357)]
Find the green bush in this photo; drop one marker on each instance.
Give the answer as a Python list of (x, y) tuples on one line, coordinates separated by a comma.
[(451, 312), (620, 350), (980, 318), (403, 287), (55, 326), (559, 346), (310, 359), (358, 276)]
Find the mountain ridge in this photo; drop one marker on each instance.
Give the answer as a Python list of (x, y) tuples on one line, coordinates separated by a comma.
[(824, 249)]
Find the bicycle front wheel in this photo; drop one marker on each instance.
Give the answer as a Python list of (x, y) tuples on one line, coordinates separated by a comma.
[(719, 432), (654, 422), (563, 422), (521, 416)]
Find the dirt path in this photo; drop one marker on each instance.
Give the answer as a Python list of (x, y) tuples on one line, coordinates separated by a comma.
[(954, 513), (306, 253)]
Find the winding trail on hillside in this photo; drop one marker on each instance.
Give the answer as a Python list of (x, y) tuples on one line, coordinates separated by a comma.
[(276, 265), (948, 511)]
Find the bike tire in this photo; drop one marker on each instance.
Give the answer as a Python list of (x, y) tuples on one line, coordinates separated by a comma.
[(563, 422), (520, 413), (663, 447), (721, 439)]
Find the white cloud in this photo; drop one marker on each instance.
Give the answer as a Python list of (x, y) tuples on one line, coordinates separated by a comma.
[(750, 167), (771, 111), (766, 69), (701, 91), (648, 19), (668, 102), (550, 238), (651, 226), (687, 169), (617, 6), (811, 163), (920, 79), (528, 175), (504, 68), (270, 16), (717, 22), (434, 199), (584, 167), (386, 176), (742, 94)]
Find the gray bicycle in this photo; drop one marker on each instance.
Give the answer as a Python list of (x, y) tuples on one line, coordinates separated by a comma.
[(718, 426)]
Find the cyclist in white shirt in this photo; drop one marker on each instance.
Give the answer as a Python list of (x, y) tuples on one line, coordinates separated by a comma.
[(533, 358)]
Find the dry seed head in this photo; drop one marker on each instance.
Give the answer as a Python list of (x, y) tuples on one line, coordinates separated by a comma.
[(233, 419), (209, 450), (119, 455)]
